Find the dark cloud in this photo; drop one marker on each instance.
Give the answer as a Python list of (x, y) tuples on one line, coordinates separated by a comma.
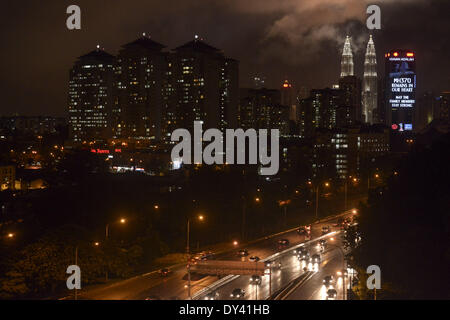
[(298, 39)]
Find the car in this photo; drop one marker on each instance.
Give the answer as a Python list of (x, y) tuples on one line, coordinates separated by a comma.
[(283, 242), (254, 259), (212, 296), (302, 231), (242, 252), (322, 242), (325, 230), (273, 264), (255, 279), (237, 293), (328, 281), (342, 272), (331, 294), (203, 256), (164, 272), (315, 258), (304, 256), (339, 222), (298, 250)]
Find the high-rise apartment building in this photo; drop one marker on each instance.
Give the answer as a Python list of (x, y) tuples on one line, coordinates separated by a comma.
[(349, 112), (140, 74), (91, 97), (205, 84), (262, 109)]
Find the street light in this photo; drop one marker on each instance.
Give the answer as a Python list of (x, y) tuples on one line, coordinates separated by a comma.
[(327, 184), (200, 218), (10, 235), (156, 207), (122, 221)]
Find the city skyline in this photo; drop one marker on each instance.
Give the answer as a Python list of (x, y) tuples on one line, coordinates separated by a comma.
[(225, 150), (270, 48)]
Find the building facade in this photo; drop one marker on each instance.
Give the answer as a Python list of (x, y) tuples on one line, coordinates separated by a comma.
[(91, 97), (370, 91), (140, 72), (400, 89)]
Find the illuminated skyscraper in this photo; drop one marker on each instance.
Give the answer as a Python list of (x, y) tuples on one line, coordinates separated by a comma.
[(140, 73), (369, 93), (206, 85), (347, 59), (288, 99), (400, 89), (91, 96)]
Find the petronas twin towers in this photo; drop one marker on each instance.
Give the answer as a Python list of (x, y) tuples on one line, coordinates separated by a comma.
[(369, 87)]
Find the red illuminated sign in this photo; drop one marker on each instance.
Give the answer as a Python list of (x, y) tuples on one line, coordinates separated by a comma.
[(99, 151)]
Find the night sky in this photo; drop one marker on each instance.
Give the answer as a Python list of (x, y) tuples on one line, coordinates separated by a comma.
[(295, 39)]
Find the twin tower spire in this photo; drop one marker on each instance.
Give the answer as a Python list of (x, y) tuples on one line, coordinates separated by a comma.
[(369, 87)]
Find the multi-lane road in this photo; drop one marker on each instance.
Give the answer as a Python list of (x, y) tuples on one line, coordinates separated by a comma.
[(174, 286), (306, 277)]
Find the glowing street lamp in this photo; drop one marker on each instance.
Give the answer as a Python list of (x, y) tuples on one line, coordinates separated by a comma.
[(188, 251), (10, 235), (122, 221)]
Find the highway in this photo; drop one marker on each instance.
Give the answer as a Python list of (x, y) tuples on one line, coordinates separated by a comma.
[(311, 288), (174, 286)]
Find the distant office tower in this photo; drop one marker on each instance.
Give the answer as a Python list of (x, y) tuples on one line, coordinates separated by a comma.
[(347, 59), (262, 109), (91, 96), (31, 125), (259, 82), (400, 89), (442, 108), (427, 105), (342, 152), (205, 83), (288, 99), (321, 110), (350, 109), (370, 91), (140, 73)]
